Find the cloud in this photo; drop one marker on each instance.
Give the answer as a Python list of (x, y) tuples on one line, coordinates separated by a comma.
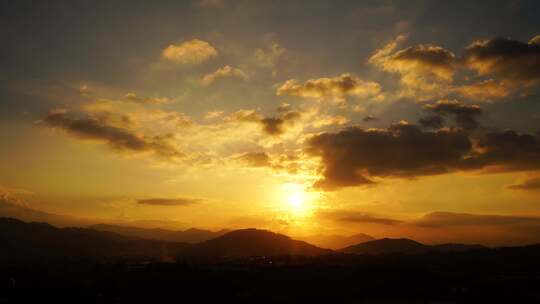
[(535, 40), (194, 51), (488, 229), (486, 90), (422, 59), (334, 89), (354, 155), (270, 125), (277, 125), (423, 68), (446, 227), (448, 219), (530, 184), (350, 216), (224, 72), (507, 151), (505, 58), (244, 115), (269, 57), (427, 71), (322, 120), (256, 159), (103, 129), (432, 122), (132, 97), (182, 201), (213, 114), (369, 118), (464, 115)]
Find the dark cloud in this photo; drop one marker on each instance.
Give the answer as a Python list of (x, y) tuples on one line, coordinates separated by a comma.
[(183, 201), (464, 115), (271, 125), (448, 219), (432, 122), (86, 126), (356, 217), (530, 184), (507, 151), (354, 155), (256, 159), (276, 125), (505, 58), (369, 118)]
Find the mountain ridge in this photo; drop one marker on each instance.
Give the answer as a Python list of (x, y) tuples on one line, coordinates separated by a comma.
[(191, 235), (405, 246)]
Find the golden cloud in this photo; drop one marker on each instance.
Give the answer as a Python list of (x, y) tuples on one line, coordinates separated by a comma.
[(486, 90), (194, 51), (223, 72), (334, 89), (132, 97)]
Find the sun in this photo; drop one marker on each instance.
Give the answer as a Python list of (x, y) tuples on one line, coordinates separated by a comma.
[(297, 200)]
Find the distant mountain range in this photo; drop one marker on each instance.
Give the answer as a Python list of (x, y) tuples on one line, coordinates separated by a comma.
[(192, 235), (404, 246), (20, 239)]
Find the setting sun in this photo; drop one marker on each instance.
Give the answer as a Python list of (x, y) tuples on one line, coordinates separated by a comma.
[(296, 199)]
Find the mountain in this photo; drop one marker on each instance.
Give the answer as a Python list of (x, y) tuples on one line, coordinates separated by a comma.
[(254, 242), (457, 247), (10, 207), (386, 245), (34, 240), (337, 241), (192, 235), (406, 246), (20, 239)]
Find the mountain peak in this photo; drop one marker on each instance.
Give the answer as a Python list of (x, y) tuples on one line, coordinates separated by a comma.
[(255, 242), (388, 245)]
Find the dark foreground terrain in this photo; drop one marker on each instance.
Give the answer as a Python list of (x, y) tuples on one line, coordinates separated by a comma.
[(93, 267), (486, 276)]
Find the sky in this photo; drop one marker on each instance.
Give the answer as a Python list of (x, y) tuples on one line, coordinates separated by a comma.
[(393, 118)]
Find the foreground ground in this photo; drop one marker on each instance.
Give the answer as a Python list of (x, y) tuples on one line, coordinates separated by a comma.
[(510, 275)]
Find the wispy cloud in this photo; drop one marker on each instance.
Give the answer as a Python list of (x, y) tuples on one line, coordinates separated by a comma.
[(180, 201)]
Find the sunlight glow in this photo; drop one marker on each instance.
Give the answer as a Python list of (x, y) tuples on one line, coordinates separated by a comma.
[(297, 200)]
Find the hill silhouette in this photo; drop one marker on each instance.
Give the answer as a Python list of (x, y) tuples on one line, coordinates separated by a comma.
[(387, 245), (20, 239), (405, 246), (337, 241), (254, 242), (191, 235)]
